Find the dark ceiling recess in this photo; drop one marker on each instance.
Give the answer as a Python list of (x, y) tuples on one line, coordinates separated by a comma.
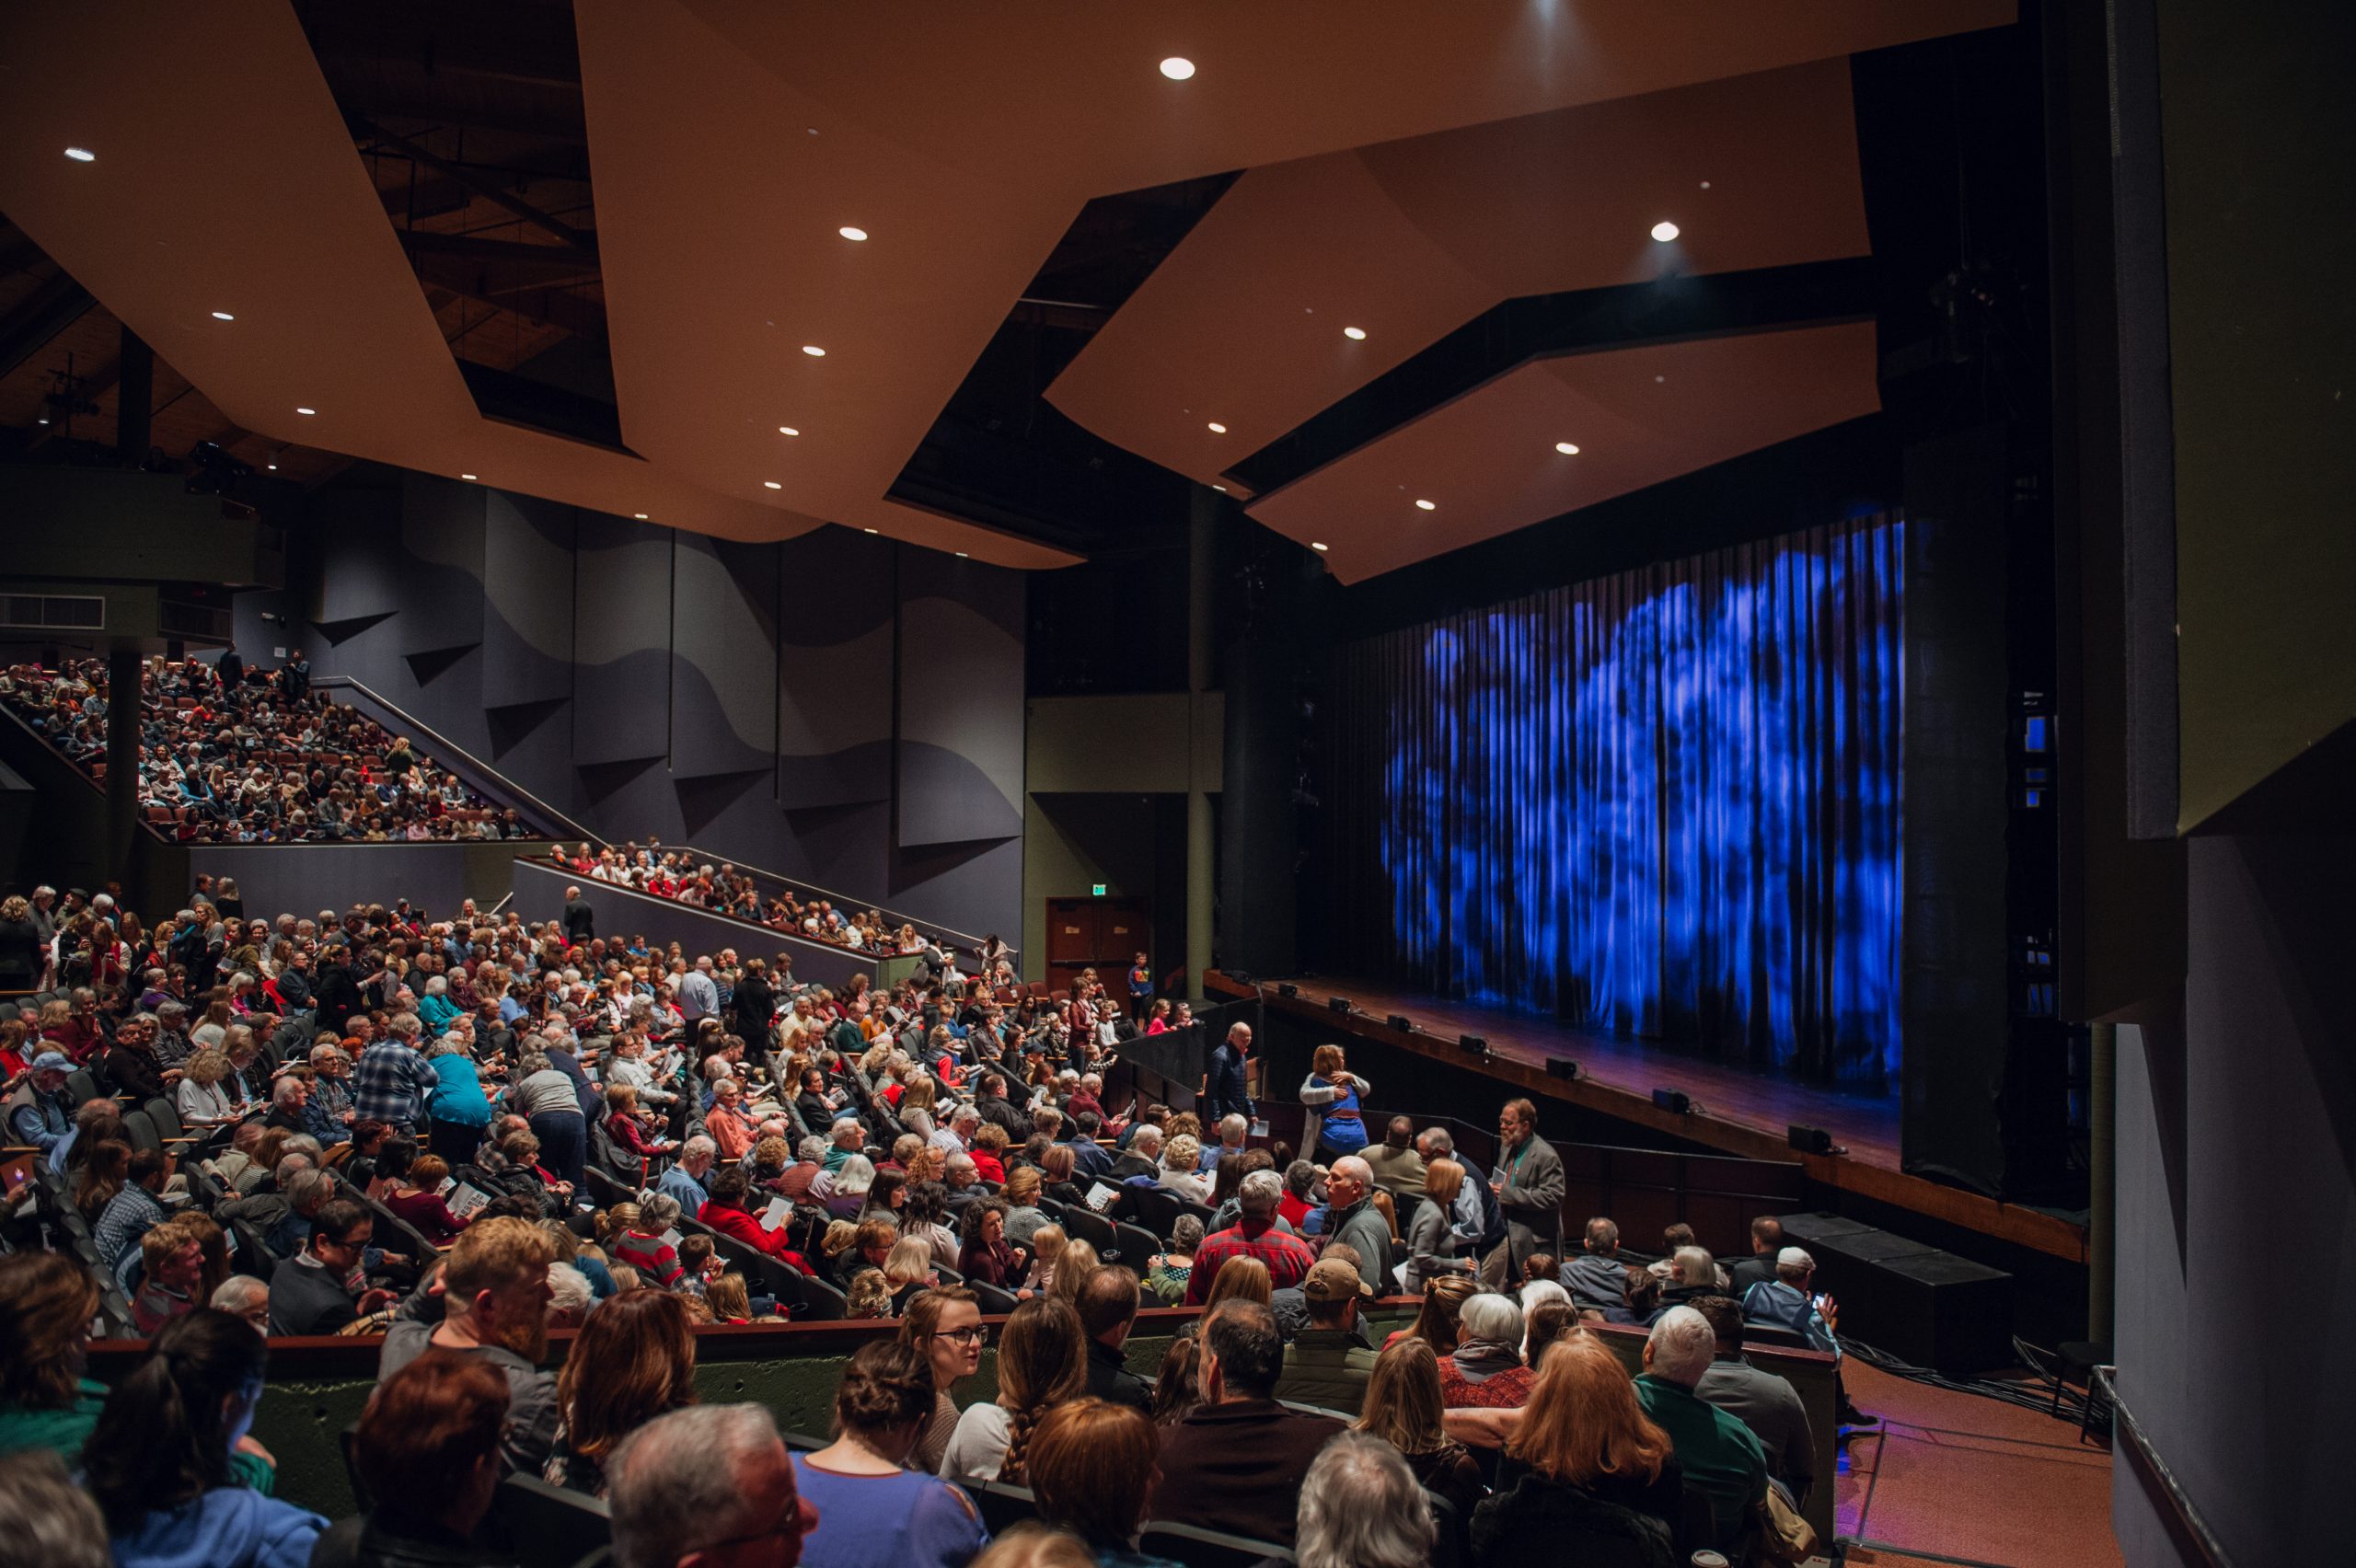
[(1000, 455), (469, 120)]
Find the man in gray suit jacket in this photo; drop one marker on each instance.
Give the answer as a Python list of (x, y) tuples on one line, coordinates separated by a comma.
[(1529, 1185)]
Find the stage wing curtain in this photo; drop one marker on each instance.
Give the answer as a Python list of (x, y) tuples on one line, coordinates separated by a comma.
[(1666, 804)]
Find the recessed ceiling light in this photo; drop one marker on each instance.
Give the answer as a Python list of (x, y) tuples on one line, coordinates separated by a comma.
[(1222, 488), (851, 231), (272, 467), (1217, 429), (867, 530), (961, 555), (1318, 548), (1567, 448), (1177, 67), (466, 476), (639, 515), (306, 410), (1355, 334), (1706, 185), (813, 351), (1663, 231), (771, 484), (787, 430), (1660, 378), (1423, 505), (222, 315), (81, 154)]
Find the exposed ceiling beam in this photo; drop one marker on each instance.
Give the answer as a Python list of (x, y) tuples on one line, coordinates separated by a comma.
[(47, 311), (499, 252), (583, 317), (577, 239)]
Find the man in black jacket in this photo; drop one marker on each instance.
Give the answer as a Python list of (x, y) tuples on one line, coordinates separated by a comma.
[(1108, 1310), (1766, 1241), (1223, 1086), (306, 1293), (580, 920), (337, 997), (995, 1107)]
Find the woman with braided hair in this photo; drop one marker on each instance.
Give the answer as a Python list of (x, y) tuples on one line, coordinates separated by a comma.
[(873, 1512), (1042, 1362)]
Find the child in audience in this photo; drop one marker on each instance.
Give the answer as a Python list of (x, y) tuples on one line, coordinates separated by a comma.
[(1048, 1245), (699, 1264)]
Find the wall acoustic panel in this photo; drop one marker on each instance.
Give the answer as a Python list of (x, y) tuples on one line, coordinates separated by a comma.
[(960, 700), (621, 633), (724, 657), (527, 578), (834, 670), (442, 544)]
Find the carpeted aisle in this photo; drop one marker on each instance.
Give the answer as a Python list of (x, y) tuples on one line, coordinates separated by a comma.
[(1955, 1479)]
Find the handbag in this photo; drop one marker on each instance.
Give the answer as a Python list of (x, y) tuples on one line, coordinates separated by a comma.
[(1783, 1536)]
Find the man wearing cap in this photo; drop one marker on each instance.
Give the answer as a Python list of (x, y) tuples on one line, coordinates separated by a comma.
[(1255, 1235), (1326, 1364), (40, 1113), (1785, 1301)]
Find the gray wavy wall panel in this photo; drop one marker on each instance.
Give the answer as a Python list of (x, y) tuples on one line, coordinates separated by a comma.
[(621, 641), (743, 698), (528, 626), (723, 658), (961, 700), (834, 670)]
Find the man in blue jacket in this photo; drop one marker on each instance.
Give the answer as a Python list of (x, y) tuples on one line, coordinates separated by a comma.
[(1223, 1087)]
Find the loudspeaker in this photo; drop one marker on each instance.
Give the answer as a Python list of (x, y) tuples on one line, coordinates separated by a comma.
[(1810, 1140), (1473, 1045), (1399, 1022), (1562, 1068), (1339, 1004), (1287, 988), (1676, 1102), (1241, 978)]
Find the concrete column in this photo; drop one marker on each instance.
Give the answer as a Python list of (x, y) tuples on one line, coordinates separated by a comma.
[(1201, 670), (124, 675), (2102, 1216)]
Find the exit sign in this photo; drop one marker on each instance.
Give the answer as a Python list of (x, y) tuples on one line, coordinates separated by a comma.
[(1098, 890)]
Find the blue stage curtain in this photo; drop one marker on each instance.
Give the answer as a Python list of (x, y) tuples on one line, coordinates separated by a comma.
[(1666, 803)]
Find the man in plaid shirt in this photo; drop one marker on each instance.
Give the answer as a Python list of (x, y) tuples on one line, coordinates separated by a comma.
[(1254, 1236), (391, 1082)]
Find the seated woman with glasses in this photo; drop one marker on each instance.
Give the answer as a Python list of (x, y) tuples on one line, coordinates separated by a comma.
[(945, 1323)]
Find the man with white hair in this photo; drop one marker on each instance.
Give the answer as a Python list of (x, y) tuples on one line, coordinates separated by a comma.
[(1232, 1130), (1717, 1452), (703, 1485), (684, 1180), (1255, 1235), (1143, 1157), (699, 992), (1352, 1219), (1362, 1507), (1786, 1301), (957, 1135)]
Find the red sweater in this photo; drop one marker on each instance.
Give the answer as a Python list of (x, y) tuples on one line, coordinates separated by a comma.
[(742, 1225)]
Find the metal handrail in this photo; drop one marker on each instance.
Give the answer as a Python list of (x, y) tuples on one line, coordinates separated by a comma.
[(804, 885), (444, 745)]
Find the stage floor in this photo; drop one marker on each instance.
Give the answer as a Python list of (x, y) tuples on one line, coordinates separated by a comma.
[(1734, 1109)]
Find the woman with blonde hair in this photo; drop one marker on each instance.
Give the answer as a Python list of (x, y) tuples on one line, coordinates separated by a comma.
[(1335, 1125), (1240, 1277), (1431, 1250), (1594, 1465), (1434, 1322), (907, 1269), (204, 1096), (1403, 1408), (1072, 1269), (1042, 1362), (1180, 1156)]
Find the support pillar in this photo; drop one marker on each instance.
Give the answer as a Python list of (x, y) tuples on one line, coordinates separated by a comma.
[(135, 394), (2103, 1184), (1201, 671), (125, 672)]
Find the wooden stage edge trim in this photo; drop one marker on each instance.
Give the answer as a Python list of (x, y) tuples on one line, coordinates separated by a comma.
[(2009, 1222)]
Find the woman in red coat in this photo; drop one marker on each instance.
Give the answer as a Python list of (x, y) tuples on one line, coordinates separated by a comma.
[(725, 1212)]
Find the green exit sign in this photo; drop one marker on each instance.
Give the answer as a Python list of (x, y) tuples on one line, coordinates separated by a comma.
[(1098, 890)]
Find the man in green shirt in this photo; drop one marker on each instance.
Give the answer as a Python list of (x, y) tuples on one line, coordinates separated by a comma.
[(1326, 1364), (1719, 1454)]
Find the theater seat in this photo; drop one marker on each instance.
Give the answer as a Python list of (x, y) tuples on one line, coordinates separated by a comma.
[(548, 1526), (1207, 1549)]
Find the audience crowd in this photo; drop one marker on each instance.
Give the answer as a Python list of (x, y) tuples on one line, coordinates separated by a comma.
[(463, 1137), (232, 756)]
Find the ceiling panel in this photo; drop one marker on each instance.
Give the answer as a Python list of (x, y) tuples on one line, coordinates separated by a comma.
[(1638, 416), (1244, 324)]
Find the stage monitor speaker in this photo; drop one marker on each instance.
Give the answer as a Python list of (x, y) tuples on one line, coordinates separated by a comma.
[(1473, 1045), (1810, 1140), (1399, 1022), (1676, 1102), (1562, 1068), (1339, 1004), (1926, 1307), (1287, 988), (1241, 976)]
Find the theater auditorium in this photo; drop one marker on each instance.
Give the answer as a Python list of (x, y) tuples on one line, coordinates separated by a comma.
[(1374, 784)]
